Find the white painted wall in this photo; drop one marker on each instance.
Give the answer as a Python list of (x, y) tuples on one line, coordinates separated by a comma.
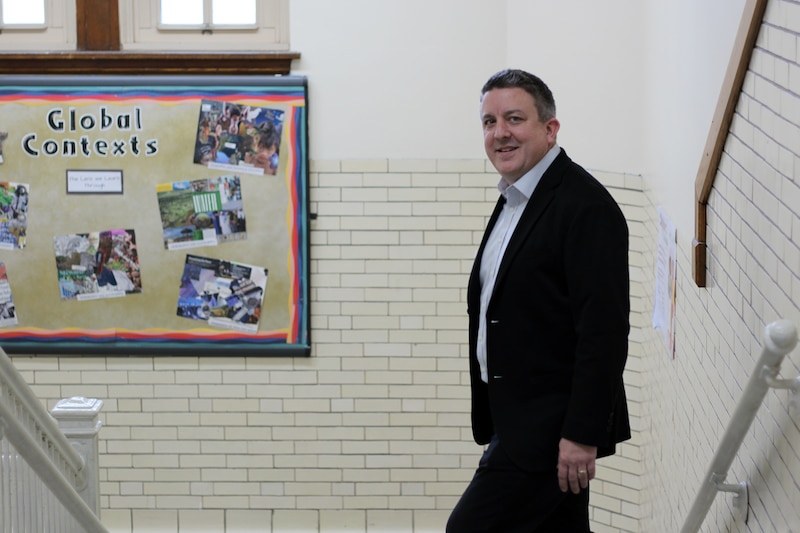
[(688, 45), (635, 81), (397, 79), (590, 55), (403, 78)]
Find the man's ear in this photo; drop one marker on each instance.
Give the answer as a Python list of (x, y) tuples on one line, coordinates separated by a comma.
[(552, 127)]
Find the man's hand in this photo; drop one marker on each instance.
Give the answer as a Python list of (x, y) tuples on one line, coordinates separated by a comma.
[(575, 465)]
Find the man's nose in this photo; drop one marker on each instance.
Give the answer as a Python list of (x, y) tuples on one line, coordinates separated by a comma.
[(501, 130)]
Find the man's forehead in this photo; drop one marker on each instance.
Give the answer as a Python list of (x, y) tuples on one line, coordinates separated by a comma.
[(508, 110), (505, 100)]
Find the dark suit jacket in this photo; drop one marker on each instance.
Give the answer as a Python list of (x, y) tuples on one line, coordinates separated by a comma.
[(557, 324)]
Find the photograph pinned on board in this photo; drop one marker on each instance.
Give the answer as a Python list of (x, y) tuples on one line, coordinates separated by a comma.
[(222, 293), (8, 313), (13, 214), (96, 265), (203, 212), (233, 136)]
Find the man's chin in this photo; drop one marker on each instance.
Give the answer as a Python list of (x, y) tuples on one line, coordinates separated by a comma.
[(510, 173)]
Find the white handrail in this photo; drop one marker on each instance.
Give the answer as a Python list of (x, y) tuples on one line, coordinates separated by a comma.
[(780, 338), (25, 401), (42, 445)]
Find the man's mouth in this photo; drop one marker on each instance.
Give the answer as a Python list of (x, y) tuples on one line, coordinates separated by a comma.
[(506, 149)]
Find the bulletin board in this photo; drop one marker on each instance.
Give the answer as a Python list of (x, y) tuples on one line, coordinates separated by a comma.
[(154, 215)]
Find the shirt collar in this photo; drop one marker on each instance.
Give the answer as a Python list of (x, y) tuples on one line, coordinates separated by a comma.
[(522, 189)]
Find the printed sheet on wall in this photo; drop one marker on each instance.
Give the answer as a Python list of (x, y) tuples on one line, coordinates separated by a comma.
[(154, 215)]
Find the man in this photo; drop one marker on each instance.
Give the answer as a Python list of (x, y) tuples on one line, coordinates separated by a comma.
[(548, 305)]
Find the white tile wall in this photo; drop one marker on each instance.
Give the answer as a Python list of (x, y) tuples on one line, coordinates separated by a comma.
[(753, 279), (371, 433)]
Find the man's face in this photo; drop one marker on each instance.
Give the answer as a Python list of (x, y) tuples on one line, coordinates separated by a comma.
[(514, 138)]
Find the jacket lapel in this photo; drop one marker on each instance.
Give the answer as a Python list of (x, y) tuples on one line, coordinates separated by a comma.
[(544, 193), (474, 284)]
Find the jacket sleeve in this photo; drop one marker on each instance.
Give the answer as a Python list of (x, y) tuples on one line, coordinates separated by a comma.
[(596, 270)]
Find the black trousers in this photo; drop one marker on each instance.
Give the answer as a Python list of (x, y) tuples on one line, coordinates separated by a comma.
[(501, 498)]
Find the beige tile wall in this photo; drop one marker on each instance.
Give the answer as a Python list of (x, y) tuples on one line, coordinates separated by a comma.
[(372, 432)]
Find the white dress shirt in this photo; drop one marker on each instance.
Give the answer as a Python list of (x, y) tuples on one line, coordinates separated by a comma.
[(517, 196)]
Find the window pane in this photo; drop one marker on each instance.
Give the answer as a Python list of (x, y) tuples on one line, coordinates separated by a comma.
[(23, 11), (181, 11), (233, 11)]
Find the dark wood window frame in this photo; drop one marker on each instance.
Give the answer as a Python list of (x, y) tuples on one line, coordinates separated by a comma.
[(98, 52)]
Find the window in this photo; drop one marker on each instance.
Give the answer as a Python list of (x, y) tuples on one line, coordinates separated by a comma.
[(37, 25), (22, 13), (208, 14), (143, 36), (214, 25), (149, 25)]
